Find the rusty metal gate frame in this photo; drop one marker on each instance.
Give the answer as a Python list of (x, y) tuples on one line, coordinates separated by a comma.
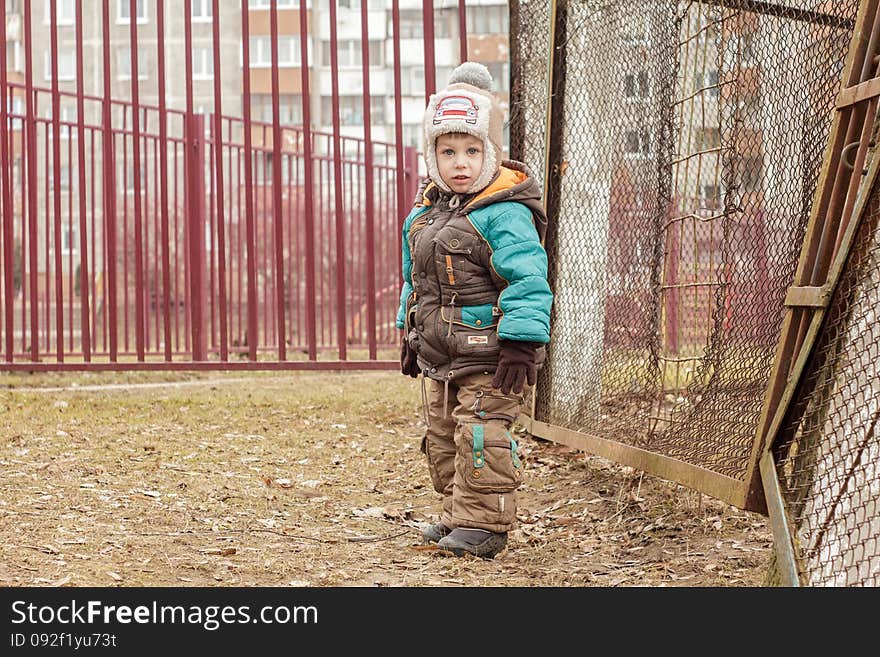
[(838, 208), (805, 301)]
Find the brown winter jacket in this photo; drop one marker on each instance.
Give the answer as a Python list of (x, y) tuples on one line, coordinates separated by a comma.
[(475, 270)]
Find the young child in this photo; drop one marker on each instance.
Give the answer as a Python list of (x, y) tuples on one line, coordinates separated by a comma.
[(475, 310)]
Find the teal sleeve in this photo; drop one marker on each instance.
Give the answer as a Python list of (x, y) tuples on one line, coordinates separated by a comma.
[(519, 258), (407, 287)]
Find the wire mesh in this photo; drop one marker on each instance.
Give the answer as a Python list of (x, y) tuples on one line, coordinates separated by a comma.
[(829, 465), (691, 144), (530, 24)]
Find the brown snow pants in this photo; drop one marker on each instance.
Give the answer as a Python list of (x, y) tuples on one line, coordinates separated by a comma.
[(472, 456)]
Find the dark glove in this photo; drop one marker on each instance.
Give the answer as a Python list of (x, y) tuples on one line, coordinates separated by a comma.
[(408, 362), (516, 365)]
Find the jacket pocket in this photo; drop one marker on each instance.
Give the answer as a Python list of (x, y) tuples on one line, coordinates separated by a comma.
[(489, 459), (473, 328)]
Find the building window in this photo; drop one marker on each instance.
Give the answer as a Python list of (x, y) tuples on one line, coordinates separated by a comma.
[(66, 121), (412, 81), (123, 14), (289, 108), (350, 54), (710, 197), (292, 169), (65, 12), (202, 11), (710, 139), (203, 63), (14, 57), (708, 82), (266, 4), (129, 177), (410, 24), (638, 143), (261, 51), (351, 110), (64, 177), (413, 135), (70, 239), (15, 107), (500, 75), (66, 64), (636, 30), (412, 21), (487, 20), (752, 174), (636, 86), (123, 63)]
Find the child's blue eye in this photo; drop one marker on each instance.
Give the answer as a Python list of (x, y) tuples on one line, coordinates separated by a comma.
[(473, 151)]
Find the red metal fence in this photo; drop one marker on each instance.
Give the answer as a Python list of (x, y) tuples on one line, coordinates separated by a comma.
[(140, 230)]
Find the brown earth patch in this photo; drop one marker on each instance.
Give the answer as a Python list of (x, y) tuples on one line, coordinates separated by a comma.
[(303, 479)]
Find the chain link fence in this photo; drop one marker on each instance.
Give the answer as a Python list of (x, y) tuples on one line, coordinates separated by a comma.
[(828, 462), (685, 144)]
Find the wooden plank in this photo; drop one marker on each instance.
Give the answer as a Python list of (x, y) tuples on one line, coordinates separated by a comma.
[(861, 92), (786, 561), (807, 296), (722, 487)]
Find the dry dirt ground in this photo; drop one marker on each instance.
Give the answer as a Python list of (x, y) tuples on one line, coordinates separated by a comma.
[(304, 479)]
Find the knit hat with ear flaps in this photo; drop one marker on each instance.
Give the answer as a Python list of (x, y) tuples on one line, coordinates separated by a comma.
[(466, 105)]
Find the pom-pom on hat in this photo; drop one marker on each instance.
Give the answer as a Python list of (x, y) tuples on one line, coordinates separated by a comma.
[(466, 105)]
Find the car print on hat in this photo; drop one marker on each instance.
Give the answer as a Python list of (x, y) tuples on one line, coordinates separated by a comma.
[(456, 107)]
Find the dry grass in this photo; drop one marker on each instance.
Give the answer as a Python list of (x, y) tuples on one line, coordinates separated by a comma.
[(304, 479)]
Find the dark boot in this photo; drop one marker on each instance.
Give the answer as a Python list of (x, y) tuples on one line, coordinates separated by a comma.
[(435, 532), (478, 542)]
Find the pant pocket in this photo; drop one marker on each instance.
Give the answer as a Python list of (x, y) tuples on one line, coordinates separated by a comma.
[(488, 459)]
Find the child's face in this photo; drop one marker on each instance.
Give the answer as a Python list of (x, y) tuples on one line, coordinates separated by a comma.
[(459, 160)]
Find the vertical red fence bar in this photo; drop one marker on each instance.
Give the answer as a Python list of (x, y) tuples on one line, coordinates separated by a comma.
[(462, 32), (136, 180), (368, 183), (31, 150), (277, 216), (337, 188), (309, 184), (56, 189), (8, 209), (218, 163), (85, 277), (252, 334), (47, 228), (163, 180), (195, 231), (402, 205), (428, 32), (194, 198), (109, 193), (411, 171)]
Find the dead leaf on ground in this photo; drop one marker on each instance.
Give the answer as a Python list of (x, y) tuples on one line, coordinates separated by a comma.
[(223, 552)]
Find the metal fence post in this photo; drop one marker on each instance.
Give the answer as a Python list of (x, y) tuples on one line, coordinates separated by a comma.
[(411, 178), (195, 232)]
